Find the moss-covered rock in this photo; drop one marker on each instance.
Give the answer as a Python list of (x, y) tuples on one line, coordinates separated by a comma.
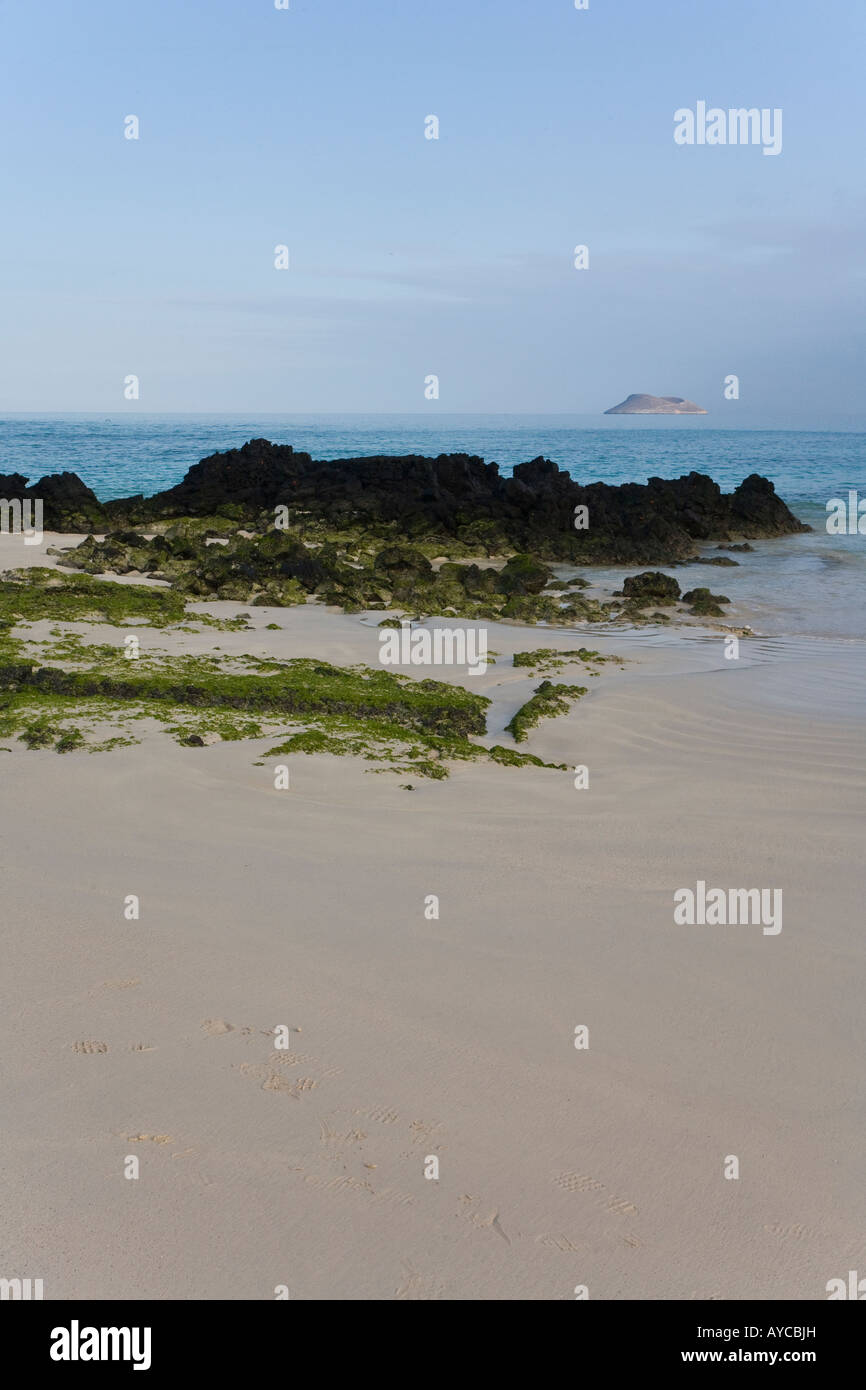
[(401, 564), (651, 586), (705, 604), (523, 574), (704, 596), (549, 700)]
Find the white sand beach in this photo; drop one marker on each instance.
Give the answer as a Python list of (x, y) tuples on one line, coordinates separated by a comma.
[(449, 1038)]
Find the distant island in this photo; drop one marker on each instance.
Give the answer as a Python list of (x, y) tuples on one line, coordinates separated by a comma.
[(655, 405)]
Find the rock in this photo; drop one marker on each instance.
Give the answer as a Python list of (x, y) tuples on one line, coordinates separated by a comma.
[(522, 574), (67, 504), (454, 497), (757, 511), (655, 405), (704, 596), (202, 740), (651, 587), (402, 562), (132, 538), (704, 604)]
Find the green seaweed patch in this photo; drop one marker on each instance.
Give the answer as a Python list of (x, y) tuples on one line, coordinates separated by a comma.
[(302, 686), (69, 739), (552, 658), (384, 717), (509, 757), (428, 756), (32, 594), (35, 594), (41, 720), (548, 701), (381, 743), (197, 695)]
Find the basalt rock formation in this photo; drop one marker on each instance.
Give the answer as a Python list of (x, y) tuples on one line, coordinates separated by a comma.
[(67, 503), (457, 499), (651, 587)]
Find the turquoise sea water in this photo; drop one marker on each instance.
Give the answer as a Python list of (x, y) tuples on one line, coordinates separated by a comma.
[(810, 584), (132, 452)]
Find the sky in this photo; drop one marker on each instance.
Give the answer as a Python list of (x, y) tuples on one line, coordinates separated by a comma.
[(412, 257)]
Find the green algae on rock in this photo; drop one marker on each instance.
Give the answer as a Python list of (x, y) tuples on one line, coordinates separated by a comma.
[(651, 586), (705, 604), (280, 569), (549, 700)]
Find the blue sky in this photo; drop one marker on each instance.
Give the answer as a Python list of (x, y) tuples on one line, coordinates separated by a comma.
[(412, 256)]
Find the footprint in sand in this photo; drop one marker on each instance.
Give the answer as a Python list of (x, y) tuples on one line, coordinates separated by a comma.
[(296, 1059), (382, 1114), (214, 1027), (271, 1080), (562, 1243), (582, 1182), (296, 1086), (89, 1047), (791, 1232), (419, 1286), (422, 1133), (578, 1182), (621, 1207), (334, 1137)]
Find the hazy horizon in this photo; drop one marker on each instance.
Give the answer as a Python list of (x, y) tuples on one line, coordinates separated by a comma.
[(849, 423)]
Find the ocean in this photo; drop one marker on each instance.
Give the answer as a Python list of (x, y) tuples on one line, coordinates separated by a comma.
[(121, 454), (800, 585)]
